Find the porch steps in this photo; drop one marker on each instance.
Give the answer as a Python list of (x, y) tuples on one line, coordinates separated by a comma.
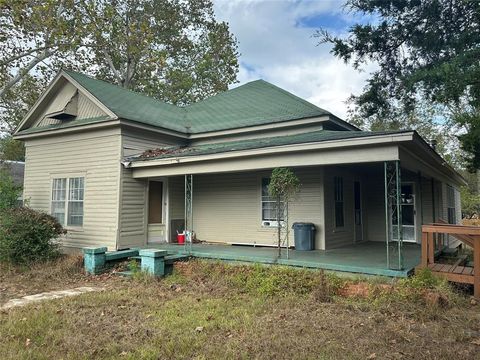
[(121, 254), (169, 261)]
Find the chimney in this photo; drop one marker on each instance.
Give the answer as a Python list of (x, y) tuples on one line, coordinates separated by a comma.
[(433, 144)]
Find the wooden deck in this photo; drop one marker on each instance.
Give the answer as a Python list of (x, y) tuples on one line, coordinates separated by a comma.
[(456, 272)]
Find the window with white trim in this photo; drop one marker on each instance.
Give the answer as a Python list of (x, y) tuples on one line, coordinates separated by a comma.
[(67, 200), (339, 206), (451, 213), (269, 204)]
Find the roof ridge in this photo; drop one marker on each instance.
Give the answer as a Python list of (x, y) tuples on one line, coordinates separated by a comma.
[(224, 93), (293, 96)]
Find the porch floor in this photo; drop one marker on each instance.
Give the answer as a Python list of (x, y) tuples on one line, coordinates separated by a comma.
[(363, 258)]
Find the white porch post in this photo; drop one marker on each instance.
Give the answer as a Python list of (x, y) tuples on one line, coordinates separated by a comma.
[(393, 215), (188, 212)]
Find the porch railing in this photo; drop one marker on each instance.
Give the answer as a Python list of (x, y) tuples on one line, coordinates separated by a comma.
[(432, 237)]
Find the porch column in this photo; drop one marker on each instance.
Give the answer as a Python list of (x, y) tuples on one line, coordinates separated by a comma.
[(393, 215), (188, 211)]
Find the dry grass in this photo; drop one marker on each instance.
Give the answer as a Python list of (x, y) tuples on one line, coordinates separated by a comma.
[(207, 310)]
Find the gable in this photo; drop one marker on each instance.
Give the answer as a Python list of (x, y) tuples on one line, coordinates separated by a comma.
[(63, 102)]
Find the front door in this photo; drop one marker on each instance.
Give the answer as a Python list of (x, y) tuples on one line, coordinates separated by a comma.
[(407, 202), (156, 212), (357, 196), (407, 199)]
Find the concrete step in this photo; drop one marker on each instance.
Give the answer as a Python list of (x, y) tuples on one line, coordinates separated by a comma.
[(121, 254), (170, 259)]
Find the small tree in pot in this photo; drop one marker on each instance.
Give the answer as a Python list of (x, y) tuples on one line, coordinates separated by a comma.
[(283, 186)]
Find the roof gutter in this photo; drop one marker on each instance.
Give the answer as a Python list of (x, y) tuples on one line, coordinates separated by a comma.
[(323, 145)]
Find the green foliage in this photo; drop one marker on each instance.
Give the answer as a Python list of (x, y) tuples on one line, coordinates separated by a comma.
[(470, 202), (283, 184), (427, 52), (267, 281), (28, 236), (423, 279), (175, 51), (9, 192), (11, 149)]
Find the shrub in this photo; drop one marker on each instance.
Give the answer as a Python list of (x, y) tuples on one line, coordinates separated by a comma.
[(27, 236)]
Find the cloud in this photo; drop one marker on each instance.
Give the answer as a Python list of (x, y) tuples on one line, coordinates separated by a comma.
[(276, 44)]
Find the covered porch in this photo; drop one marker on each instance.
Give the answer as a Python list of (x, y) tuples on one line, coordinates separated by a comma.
[(367, 200), (366, 258)]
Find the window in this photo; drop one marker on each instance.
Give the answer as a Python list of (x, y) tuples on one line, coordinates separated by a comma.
[(451, 205), (67, 200), (339, 213), (59, 189), (75, 201), (269, 205)]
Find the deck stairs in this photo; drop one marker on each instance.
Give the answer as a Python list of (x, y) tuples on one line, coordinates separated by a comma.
[(459, 269)]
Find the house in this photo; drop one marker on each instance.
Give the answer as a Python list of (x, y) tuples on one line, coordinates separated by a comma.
[(121, 170)]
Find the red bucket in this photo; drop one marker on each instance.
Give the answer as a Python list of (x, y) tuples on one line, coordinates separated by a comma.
[(181, 238)]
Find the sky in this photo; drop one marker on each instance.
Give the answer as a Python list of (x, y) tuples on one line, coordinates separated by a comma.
[(276, 44)]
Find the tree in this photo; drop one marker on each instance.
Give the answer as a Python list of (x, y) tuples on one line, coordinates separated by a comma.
[(172, 50), (9, 192), (426, 50), (283, 185), (175, 51)]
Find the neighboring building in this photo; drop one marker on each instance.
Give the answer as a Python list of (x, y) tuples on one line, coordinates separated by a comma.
[(87, 163)]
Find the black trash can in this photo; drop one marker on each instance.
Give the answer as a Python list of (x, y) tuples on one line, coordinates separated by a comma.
[(304, 234)]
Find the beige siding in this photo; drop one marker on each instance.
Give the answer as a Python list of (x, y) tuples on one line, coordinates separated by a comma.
[(133, 196), (227, 207), (176, 203), (86, 108), (336, 237), (94, 155), (374, 204)]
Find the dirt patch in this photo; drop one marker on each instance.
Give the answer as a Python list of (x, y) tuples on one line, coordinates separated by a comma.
[(63, 273)]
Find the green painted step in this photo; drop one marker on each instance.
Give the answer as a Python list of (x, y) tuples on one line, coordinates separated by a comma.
[(170, 259), (121, 254)]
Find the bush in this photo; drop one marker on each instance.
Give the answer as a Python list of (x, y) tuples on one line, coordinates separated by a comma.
[(28, 236)]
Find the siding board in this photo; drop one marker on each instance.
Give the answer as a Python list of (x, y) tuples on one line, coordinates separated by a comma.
[(71, 155)]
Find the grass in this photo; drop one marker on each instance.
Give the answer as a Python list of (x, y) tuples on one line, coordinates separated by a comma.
[(209, 310)]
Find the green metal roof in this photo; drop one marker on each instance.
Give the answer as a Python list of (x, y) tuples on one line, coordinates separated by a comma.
[(130, 105), (255, 103), (224, 147)]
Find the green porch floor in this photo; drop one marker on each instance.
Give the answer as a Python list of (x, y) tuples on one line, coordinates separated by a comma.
[(363, 258)]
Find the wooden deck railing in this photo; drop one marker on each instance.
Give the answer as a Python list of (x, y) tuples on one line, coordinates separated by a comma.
[(469, 235)]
